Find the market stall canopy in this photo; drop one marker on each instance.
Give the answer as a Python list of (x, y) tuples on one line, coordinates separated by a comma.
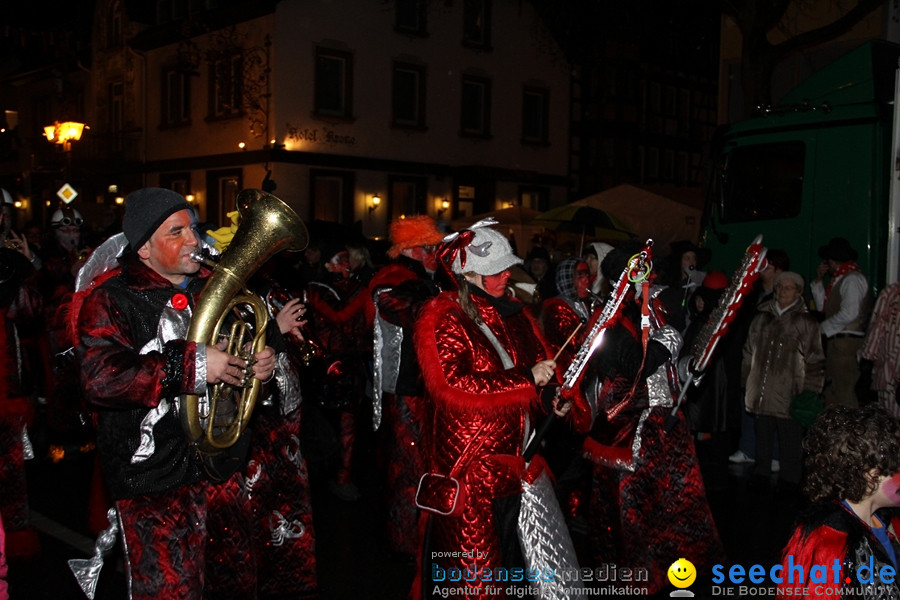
[(664, 213), (584, 220)]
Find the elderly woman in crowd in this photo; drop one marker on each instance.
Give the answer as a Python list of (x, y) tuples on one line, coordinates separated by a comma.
[(783, 359)]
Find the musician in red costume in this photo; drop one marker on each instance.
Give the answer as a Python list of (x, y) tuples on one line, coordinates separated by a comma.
[(342, 323), (484, 363), (277, 478), (569, 311), (16, 409), (276, 475), (399, 290), (648, 504), (853, 479), (564, 321), (134, 363)]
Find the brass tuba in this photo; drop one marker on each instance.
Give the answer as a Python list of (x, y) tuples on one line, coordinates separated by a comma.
[(268, 226)]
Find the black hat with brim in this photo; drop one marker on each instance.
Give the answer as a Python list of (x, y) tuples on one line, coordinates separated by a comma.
[(680, 247), (839, 250)]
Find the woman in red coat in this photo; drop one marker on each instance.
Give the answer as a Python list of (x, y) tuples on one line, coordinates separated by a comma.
[(484, 364)]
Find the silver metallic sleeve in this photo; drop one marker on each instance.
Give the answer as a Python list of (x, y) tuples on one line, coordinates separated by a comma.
[(288, 383), (200, 370), (669, 337)]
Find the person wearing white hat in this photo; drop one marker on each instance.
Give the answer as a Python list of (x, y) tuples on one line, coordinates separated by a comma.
[(62, 253), (594, 254), (66, 224), (485, 365)]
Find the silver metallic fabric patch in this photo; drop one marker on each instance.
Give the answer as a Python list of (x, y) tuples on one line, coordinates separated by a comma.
[(545, 540), (288, 384), (386, 361), (87, 570), (173, 325)]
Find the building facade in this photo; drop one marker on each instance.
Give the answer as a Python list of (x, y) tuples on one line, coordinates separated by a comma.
[(354, 111)]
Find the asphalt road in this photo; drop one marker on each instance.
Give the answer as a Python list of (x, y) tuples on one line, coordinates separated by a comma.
[(754, 523)]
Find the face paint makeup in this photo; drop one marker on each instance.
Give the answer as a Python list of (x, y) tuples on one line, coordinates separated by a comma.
[(582, 280), (168, 252), (891, 489), (495, 285)]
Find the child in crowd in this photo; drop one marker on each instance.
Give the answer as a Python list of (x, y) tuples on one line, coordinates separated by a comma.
[(853, 480)]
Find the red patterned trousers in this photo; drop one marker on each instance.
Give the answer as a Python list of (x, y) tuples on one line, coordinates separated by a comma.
[(190, 543)]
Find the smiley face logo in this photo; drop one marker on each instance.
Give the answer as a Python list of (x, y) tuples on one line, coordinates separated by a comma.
[(682, 573)]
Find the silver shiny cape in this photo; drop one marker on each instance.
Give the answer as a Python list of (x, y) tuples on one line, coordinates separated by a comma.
[(544, 538)]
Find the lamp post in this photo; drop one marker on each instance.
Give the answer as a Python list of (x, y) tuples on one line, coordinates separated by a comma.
[(64, 133)]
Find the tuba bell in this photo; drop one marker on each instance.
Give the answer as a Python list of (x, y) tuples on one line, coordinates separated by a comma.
[(215, 421)]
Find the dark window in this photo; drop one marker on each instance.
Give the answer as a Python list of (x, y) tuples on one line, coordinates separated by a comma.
[(670, 107), (173, 10), (180, 9), (534, 197), (333, 88), (474, 196), (114, 35), (409, 16), (226, 86), (762, 182), (176, 99), (222, 187), (477, 23), (177, 182), (655, 98), (117, 114), (409, 96), (163, 11), (534, 115), (332, 195), (407, 197), (475, 117)]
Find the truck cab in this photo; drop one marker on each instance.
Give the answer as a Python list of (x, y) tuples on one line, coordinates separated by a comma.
[(816, 166)]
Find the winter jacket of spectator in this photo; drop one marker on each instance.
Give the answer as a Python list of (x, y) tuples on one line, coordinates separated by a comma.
[(782, 357)]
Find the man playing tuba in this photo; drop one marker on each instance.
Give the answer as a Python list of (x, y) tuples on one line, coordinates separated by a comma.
[(134, 363)]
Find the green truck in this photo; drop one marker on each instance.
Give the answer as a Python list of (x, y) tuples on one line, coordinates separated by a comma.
[(822, 163)]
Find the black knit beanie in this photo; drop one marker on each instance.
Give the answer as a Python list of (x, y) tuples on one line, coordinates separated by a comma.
[(146, 209)]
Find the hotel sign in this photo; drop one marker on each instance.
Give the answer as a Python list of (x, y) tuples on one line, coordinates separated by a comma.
[(318, 135)]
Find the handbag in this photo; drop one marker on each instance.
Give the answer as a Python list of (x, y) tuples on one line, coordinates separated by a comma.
[(805, 407), (442, 494)]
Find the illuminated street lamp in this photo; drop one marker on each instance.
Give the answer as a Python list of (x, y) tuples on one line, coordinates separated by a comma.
[(63, 133)]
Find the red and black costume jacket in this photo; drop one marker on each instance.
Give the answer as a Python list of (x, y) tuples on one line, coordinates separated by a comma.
[(340, 317), (399, 290), (616, 382), (130, 378), (829, 531), (558, 321)]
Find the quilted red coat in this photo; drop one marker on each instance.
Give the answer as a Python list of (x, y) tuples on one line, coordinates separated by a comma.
[(470, 397)]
